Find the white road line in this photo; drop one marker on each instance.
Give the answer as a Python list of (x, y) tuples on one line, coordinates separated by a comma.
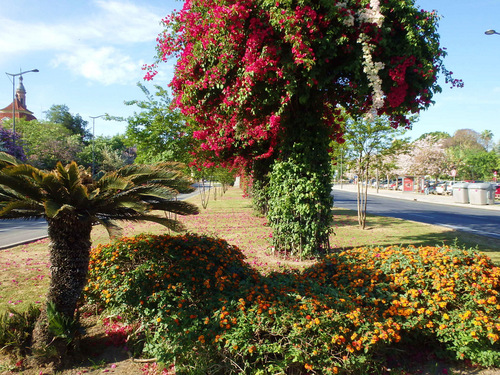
[(465, 229)]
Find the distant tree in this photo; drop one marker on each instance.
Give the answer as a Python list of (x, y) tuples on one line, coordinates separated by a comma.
[(158, 131), (479, 166), (46, 143), (496, 148), (367, 143), (486, 137), (107, 153), (437, 135), (465, 139), (59, 114)]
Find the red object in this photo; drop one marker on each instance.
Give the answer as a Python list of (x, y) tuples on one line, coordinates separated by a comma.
[(408, 184)]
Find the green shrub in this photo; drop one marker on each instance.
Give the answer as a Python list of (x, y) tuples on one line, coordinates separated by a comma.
[(203, 307), (15, 330)]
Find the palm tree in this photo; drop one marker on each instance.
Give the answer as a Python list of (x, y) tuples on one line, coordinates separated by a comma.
[(72, 202)]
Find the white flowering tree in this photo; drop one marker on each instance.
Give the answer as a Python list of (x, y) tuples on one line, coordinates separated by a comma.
[(427, 157)]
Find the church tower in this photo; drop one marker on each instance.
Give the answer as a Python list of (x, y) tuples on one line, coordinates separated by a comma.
[(21, 93), (21, 110)]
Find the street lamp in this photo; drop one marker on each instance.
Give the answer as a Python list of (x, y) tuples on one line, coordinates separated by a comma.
[(491, 32), (93, 142), (14, 100)]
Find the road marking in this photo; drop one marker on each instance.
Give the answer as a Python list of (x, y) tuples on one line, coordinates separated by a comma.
[(6, 229), (465, 229)]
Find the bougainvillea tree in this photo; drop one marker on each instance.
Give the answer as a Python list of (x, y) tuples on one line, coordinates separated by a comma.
[(266, 78)]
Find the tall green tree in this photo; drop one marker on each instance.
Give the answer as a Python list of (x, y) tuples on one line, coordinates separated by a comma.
[(72, 202), (59, 114), (265, 79), (158, 131)]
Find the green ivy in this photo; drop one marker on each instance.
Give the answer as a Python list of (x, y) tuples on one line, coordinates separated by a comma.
[(300, 190)]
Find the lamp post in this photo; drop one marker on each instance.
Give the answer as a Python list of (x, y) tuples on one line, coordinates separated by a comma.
[(491, 32), (14, 100), (93, 142)]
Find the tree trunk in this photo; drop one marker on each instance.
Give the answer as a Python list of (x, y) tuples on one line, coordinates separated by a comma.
[(69, 257), (300, 188)]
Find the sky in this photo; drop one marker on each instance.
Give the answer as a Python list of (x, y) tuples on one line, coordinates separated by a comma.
[(90, 53)]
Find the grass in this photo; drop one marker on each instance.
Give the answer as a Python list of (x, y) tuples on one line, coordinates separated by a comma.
[(24, 269)]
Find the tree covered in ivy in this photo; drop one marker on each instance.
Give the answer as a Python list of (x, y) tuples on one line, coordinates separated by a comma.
[(263, 79)]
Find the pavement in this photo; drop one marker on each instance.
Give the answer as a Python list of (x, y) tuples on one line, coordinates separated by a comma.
[(420, 197)]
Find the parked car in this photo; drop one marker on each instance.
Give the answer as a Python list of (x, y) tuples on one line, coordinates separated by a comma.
[(497, 192), (444, 188)]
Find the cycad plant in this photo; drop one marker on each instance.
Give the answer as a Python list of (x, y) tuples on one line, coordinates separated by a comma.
[(72, 201)]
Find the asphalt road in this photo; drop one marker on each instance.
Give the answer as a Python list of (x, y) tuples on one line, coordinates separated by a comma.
[(467, 219), (15, 232)]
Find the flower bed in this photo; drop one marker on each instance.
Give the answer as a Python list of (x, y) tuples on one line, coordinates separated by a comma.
[(204, 307)]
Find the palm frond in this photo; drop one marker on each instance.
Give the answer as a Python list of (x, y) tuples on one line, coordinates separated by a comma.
[(155, 190), (176, 207), (24, 170), (21, 209), (169, 223), (113, 229), (7, 160), (61, 172), (18, 187), (69, 175), (53, 208), (158, 174), (112, 181), (53, 187)]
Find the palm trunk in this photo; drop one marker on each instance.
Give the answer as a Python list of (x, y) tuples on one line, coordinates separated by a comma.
[(69, 258)]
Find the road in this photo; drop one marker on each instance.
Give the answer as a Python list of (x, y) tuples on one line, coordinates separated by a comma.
[(19, 231), (15, 232), (468, 219)]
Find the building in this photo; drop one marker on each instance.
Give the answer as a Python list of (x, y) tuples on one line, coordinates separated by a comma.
[(20, 109)]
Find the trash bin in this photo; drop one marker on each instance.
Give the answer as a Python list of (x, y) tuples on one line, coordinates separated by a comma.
[(481, 193), (490, 198), (460, 192)]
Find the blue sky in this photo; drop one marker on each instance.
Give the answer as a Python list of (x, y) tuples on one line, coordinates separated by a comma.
[(90, 53)]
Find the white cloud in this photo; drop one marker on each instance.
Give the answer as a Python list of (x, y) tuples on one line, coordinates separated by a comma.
[(105, 65), (122, 22), (98, 46)]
